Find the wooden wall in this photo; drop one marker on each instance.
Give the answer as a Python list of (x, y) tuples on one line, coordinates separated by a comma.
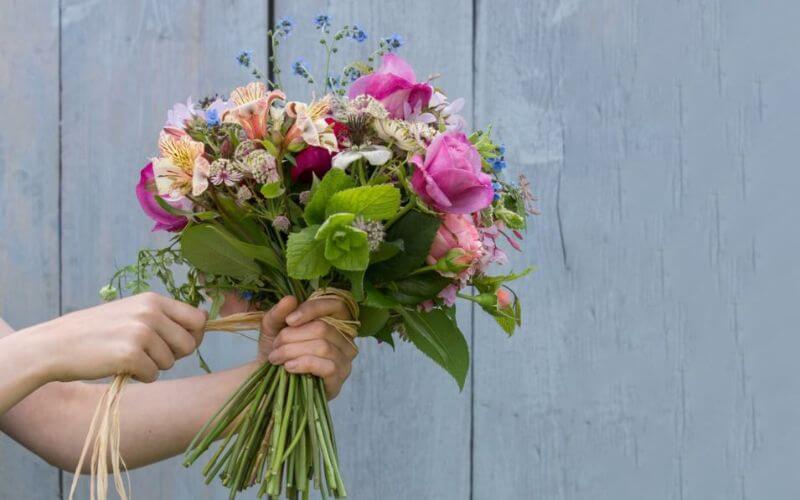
[(658, 357)]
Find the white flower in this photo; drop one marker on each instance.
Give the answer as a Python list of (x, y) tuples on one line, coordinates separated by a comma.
[(375, 155)]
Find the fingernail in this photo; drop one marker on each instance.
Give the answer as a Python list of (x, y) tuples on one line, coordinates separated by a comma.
[(291, 365), (272, 357), (293, 317)]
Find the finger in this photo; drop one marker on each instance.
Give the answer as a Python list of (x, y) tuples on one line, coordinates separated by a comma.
[(143, 369), (313, 309), (317, 347), (316, 329), (161, 354), (275, 318), (190, 318), (180, 341), (322, 368), (234, 303)]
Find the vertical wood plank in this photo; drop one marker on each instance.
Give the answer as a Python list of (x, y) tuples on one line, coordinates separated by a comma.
[(29, 269), (124, 65), (403, 427), (658, 354)]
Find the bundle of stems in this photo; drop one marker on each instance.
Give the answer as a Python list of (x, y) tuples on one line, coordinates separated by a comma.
[(276, 432)]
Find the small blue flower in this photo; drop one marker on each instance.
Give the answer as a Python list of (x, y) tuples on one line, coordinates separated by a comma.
[(323, 22), (284, 26), (393, 42), (247, 295), (358, 34), (499, 163), (299, 68), (245, 58), (497, 188), (212, 117), (352, 74), (501, 150)]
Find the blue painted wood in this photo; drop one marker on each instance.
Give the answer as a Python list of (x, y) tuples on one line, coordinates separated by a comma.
[(658, 358), (29, 269), (402, 426)]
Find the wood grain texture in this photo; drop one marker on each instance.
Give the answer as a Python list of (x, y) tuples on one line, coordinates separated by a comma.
[(401, 423), (29, 268), (657, 360), (124, 65)]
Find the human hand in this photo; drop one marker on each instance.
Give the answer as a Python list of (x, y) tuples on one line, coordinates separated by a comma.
[(296, 338), (138, 335)]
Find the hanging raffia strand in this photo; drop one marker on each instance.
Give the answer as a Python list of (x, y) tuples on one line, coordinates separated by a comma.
[(104, 430)]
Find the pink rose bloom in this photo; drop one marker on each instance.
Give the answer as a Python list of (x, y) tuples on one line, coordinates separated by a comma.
[(311, 161), (395, 86), (504, 298), (146, 193), (450, 178), (457, 232)]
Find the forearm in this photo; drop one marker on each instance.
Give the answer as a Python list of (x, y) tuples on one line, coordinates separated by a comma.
[(21, 371), (158, 420)]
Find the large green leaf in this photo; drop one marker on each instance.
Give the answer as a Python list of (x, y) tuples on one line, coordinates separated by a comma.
[(334, 181), (372, 320), (211, 250), (437, 335), (416, 288), (371, 202), (417, 231), (305, 255)]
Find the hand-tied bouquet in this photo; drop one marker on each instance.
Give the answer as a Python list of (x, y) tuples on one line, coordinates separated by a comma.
[(370, 193)]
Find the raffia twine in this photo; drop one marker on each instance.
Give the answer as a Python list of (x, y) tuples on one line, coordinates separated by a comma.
[(104, 430)]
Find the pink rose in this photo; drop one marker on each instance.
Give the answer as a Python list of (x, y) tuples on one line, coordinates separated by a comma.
[(146, 193), (457, 241), (395, 86), (450, 179), (504, 298), (311, 161)]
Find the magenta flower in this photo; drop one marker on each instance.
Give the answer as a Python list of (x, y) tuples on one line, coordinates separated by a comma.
[(146, 193), (395, 86), (450, 178), (311, 161)]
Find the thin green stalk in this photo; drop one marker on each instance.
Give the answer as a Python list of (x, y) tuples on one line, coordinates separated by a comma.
[(312, 433), (273, 483)]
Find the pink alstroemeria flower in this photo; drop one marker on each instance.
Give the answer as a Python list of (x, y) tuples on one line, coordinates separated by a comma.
[(146, 193), (395, 86), (450, 178), (250, 108)]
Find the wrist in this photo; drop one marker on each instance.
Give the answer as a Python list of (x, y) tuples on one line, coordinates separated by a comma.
[(37, 353), (25, 356)]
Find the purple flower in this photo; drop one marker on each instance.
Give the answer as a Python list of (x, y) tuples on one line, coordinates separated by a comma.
[(146, 193), (395, 86), (450, 178)]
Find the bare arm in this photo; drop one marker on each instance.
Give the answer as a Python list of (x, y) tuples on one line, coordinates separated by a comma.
[(159, 420)]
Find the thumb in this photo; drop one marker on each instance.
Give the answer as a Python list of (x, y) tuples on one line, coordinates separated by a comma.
[(275, 319)]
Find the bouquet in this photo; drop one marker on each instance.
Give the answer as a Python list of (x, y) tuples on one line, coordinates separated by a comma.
[(371, 193)]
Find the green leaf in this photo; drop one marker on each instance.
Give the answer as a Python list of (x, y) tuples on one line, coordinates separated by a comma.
[(385, 335), (208, 249), (416, 288), (272, 190), (437, 335), (356, 283), (334, 181), (346, 247), (305, 255), (490, 284), (372, 320), (371, 202), (170, 209), (386, 251), (271, 149), (417, 231), (375, 298)]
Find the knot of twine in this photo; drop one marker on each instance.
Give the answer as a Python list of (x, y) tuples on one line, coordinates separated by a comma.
[(104, 429)]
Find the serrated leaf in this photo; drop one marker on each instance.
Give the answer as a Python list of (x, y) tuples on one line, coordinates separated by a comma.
[(208, 249), (437, 336), (333, 182), (370, 202), (305, 255)]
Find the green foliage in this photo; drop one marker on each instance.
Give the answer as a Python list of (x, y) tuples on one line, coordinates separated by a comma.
[(490, 284), (213, 251), (416, 230), (416, 288), (346, 247), (305, 255), (334, 181), (370, 202), (372, 320), (272, 190), (437, 335)]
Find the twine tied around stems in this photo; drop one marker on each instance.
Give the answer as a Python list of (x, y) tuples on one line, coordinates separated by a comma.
[(104, 429)]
